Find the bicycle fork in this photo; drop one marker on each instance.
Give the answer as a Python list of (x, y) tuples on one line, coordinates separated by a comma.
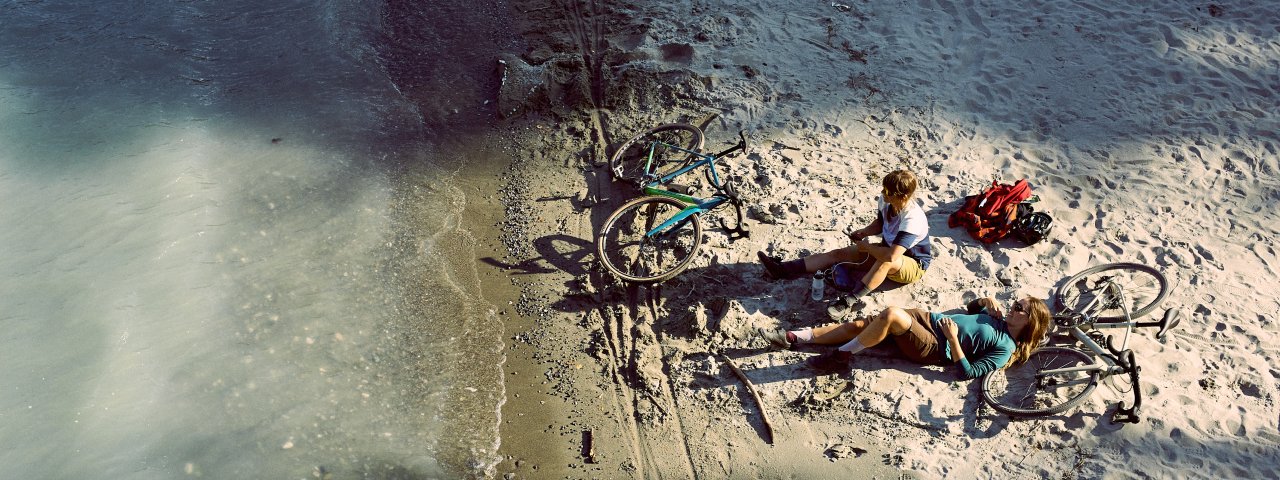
[(1116, 363)]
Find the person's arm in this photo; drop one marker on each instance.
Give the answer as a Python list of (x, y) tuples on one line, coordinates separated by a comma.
[(872, 228), (882, 253), (985, 362), (950, 331), (992, 360), (986, 303)]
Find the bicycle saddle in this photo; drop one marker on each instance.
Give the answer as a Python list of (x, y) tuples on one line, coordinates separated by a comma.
[(1171, 318)]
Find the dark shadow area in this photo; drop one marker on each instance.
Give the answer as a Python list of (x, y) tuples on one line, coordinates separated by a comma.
[(375, 79), (563, 253), (442, 56), (882, 356)]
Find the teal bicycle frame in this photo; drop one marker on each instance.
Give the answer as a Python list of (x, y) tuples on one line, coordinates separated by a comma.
[(723, 194)]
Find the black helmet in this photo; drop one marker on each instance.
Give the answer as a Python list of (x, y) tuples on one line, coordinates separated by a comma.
[(1033, 228)]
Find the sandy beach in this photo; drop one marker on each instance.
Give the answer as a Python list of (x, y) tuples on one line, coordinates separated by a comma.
[(1148, 132)]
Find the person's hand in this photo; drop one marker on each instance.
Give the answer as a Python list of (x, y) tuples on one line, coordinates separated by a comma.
[(993, 308), (862, 245), (948, 327), (856, 236)]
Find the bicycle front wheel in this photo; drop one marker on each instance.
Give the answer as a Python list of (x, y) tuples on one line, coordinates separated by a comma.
[(628, 162), (1144, 288), (1022, 390), (625, 248)]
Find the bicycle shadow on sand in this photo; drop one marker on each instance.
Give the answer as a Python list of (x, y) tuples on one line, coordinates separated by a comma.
[(556, 253)]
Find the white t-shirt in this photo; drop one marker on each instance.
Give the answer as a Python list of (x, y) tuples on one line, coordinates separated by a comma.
[(913, 221)]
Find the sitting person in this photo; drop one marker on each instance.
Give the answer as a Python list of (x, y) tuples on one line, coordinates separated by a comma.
[(978, 342), (902, 255)]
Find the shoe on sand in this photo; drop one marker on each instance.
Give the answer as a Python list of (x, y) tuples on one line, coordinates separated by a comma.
[(776, 337), (773, 265), (835, 361), (843, 307)]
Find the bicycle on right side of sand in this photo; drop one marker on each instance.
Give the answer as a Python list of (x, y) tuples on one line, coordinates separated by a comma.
[(1057, 377), (654, 237)]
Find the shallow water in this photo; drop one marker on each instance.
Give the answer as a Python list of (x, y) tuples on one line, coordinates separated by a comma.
[(233, 245)]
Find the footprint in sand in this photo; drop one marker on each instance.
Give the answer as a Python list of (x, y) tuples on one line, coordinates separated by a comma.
[(681, 53), (831, 391)]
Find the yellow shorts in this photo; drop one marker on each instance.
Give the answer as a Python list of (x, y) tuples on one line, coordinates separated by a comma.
[(909, 271)]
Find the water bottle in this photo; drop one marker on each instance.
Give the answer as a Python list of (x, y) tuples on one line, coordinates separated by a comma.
[(817, 286)]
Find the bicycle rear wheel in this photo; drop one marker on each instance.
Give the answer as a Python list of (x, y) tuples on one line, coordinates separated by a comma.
[(1144, 288), (625, 249), (627, 163), (1017, 390)]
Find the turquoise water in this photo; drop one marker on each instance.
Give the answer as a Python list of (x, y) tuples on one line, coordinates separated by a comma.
[(232, 246)]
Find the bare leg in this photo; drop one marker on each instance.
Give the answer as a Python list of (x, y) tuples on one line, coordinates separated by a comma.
[(838, 333), (878, 273), (892, 320), (882, 268), (820, 261)]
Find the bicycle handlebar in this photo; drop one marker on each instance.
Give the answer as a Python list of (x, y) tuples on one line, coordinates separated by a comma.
[(1131, 414), (728, 191), (742, 145)]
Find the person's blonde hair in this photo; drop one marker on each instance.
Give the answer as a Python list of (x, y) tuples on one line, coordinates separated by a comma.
[(900, 183), (1033, 333)]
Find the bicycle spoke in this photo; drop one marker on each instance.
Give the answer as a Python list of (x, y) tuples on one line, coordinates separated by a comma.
[(1143, 289), (628, 163), (626, 248), (1030, 388)]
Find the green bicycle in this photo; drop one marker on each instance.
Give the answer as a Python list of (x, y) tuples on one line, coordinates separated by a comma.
[(654, 237)]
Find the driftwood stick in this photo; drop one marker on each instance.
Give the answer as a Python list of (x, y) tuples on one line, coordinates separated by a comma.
[(764, 415)]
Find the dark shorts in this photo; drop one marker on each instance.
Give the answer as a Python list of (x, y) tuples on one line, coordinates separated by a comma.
[(919, 342)]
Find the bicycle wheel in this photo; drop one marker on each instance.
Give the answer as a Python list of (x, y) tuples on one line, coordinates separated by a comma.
[(625, 250), (1144, 288), (627, 163), (1017, 391)]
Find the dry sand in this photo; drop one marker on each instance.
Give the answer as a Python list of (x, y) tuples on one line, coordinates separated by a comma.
[(1148, 130)]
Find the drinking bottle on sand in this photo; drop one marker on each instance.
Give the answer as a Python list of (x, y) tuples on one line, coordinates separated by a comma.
[(817, 286)]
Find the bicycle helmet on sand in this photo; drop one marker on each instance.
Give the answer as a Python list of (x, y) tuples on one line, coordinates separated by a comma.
[(1033, 228)]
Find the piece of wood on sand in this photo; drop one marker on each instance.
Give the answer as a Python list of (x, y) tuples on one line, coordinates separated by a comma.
[(764, 415), (589, 446)]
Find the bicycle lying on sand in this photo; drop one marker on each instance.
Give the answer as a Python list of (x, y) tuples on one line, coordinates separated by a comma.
[(653, 238), (1057, 378)]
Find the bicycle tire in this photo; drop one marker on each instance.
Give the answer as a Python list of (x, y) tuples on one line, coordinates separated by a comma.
[(1015, 391), (625, 250), (1144, 294), (627, 163)]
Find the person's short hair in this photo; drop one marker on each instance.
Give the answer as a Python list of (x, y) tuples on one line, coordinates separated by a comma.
[(900, 183)]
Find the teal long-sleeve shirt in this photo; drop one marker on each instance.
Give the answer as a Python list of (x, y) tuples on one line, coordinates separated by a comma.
[(984, 340)]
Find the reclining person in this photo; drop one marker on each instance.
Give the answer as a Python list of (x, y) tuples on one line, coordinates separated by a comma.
[(983, 340)]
